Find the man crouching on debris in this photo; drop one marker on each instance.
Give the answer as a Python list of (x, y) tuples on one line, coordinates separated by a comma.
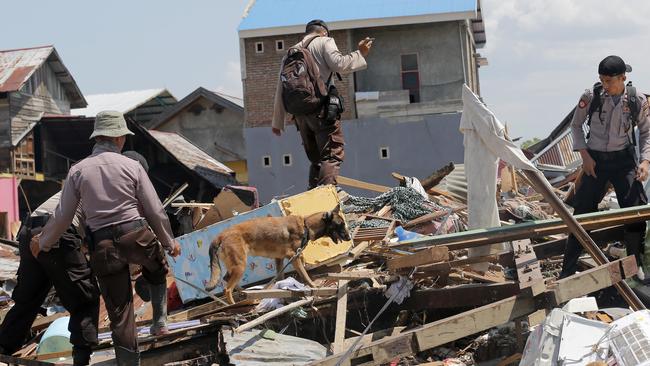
[(306, 90), (112, 187), (611, 110)]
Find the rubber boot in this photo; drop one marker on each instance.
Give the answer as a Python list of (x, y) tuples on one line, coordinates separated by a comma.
[(159, 306), (634, 243), (81, 356), (142, 288), (127, 357)]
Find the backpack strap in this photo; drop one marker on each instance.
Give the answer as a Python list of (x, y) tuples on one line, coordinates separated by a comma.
[(309, 41), (595, 105), (633, 104)]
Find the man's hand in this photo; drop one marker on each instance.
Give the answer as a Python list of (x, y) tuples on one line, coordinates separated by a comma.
[(176, 249), (277, 131), (35, 245), (364, 46), (588, 163), (642, 171)]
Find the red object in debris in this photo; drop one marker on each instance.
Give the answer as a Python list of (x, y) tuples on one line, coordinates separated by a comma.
[(394, 362), (174, 301)]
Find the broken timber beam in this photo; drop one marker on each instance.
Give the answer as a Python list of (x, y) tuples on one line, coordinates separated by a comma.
[(541, 185), (593, 280), (556, 247), (427, 256), (471, 322), (478, 237), (284, 294)]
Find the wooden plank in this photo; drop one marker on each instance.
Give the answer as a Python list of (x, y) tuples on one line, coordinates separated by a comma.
[(541, 185), (21, 361), (556, 247), (344, 181), (503, 258), (354, 275), (341, 317), (436, 333), (427, 256), (526, 263), (285, 294), (44, 322), (273, 314), (478, 237), (593, 280), (461, 296), (462, 325)]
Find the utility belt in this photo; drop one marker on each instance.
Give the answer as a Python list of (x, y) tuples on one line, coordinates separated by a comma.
[(602, 156), (114, 232)]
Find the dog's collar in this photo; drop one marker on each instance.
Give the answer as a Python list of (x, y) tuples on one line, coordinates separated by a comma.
[(305, 235)]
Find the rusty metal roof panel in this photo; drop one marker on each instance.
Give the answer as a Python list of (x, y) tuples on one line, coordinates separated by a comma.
[(17, 66), (191, 156)]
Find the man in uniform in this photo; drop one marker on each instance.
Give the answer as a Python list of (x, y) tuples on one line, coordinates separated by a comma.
[(323, 141), (609, 153), (65, 267), (112, 188)]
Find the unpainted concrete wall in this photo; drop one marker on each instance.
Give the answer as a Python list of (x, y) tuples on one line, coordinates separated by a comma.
[(216, 130), (440, 58), (417, 147)]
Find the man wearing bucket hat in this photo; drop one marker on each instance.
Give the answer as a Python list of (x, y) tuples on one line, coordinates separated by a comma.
[(609, 113), (113, 190)]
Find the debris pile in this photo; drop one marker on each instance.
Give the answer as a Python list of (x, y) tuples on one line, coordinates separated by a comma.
[(405, 290)]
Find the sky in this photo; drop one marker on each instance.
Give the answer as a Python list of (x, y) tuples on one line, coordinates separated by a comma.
[(542, 54)]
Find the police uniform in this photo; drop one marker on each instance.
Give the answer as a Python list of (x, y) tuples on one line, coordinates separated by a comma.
[(323, 141), (128, 225), (610, 144), (66, 268)]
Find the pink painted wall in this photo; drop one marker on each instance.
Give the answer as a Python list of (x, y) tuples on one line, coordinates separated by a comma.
[(9, 200)]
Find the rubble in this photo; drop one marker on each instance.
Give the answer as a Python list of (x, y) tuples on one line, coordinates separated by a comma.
[(402, 292)]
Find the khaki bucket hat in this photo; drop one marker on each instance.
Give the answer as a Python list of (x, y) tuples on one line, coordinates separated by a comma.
[(110, 124)]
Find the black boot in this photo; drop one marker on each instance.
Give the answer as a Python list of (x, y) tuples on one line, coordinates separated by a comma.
[(127, 357), (635, 243), (81, 355)]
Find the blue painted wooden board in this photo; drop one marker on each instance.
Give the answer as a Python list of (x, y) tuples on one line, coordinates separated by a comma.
[(193, 265)]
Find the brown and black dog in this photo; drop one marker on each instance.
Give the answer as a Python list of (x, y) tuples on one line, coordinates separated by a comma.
[(271, 237)]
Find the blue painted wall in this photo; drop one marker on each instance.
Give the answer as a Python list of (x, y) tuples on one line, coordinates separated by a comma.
[(417, 147)]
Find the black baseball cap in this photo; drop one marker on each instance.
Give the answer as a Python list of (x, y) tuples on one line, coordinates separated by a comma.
[(320, 23), (612, 66)]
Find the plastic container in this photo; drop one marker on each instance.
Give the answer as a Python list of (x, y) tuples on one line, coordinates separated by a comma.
[(56, 338)]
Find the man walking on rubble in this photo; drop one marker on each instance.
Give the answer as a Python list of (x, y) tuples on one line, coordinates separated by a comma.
[(112, 187), (611, 110), (320, 128), (64, 266)]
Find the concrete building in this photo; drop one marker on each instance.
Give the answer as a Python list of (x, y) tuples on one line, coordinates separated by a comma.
[(212, 121), (402, 112)]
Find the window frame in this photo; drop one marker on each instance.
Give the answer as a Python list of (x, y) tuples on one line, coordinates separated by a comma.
[(257, 50), (277, 41), (416, 92), (264, 165)]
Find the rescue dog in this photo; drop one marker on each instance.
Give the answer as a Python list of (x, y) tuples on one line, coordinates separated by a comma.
[(271, 237)]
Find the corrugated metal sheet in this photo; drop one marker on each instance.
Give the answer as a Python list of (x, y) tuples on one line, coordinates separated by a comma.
[(339, 14), (455, 183), (126, 102), (191, 156), (17, 66), (560, 153)]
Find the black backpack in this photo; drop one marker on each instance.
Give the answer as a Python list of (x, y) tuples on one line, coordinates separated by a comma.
[(303, 91), (597, 105)]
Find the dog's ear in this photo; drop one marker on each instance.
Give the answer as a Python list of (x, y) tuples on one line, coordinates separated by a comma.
[(327, 216)]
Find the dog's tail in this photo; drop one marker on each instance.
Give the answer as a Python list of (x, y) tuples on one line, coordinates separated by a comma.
[(215, 264)]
